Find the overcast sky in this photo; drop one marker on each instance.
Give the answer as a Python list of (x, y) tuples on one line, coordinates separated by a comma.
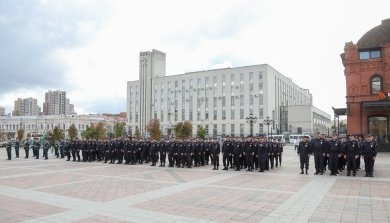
[(90, 48)]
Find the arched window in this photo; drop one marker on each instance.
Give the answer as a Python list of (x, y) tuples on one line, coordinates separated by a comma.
[(376, 84)]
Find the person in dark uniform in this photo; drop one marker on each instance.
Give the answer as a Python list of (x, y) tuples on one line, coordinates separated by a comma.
[(36, 147), (215, 151), (226, 153), (237, 153), (318, 146), (189, 152), (261, 154), (280, 143), (369, 154), (333, 153), (271, 152), (351, 154), (172, 152), (248, 153), (112, 151), (61, 148), (26, 147), (163, 152), (304, 152), (17, 146), (153, 152), (182, 152), (9, 149), (46, 147)]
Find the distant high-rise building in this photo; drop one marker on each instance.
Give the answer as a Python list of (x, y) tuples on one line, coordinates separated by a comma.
[(56, 103), (2, 111), (26, 107)]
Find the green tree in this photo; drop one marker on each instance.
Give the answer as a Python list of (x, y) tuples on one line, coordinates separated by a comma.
[(183, 129), (72, 132), (137, 133), (119, 129), (154, 130), (20, 134), (94, 131), (201, 133), (57, 134)]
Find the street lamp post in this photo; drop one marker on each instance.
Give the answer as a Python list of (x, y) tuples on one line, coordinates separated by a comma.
[(268, 122), (251, 120)]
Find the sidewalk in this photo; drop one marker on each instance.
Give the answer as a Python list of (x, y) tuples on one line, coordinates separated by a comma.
[(58, 191)]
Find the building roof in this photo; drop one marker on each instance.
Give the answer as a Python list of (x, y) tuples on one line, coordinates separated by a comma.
[(376, 37)]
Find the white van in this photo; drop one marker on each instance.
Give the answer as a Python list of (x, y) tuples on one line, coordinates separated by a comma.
[(295, 139)]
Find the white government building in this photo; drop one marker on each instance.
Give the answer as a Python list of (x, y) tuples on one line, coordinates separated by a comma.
[(43, 123), (219, 99)]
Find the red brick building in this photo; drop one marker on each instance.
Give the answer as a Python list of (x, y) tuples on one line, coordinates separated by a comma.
[(367, 73)]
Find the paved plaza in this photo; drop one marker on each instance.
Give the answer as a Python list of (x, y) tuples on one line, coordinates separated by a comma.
[(58, 191)]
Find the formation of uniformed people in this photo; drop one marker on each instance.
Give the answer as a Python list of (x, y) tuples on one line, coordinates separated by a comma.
[(250, 153), (36, 145), (336, 154), (332, 153)]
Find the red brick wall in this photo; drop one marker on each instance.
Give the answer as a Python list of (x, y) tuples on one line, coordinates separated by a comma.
[(358, 75)]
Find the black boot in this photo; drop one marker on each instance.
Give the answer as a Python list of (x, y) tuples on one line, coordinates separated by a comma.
[(301, 171), (306, 172)]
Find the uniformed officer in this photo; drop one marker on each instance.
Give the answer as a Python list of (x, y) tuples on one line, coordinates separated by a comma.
[(369, 154), (318, 146), (304, 152), (163, 152), (215, 151), (62, 147), (9, 149), (262, 154), (248, 153), (237, 153), (226, 153), (334, 153), (351, 154), (26, 147), (36, 147), (17, 145), (46, 148)]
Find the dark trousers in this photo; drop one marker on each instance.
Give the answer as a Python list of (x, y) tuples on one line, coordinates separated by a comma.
[(333, 163), (215, 161), (9, 154), (318, 162), (26, 151), (163, 158), (369, 165), (351, 163), (276, 157), (237, 161), (189, 160), (262, 161), (62, 153), (17, 152), (304, 161), (271, 160), (249, 161), (280, 159), (45, 151), (225, 160)]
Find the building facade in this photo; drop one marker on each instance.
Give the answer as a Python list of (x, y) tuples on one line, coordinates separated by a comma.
[(56, 103), (43, 123), (2, 111), (26, 107), (367, 73), (219, 99), (309, 118)]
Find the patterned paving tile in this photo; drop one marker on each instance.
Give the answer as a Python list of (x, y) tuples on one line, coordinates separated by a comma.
[(220, 205), (104, 190), (17, 210), (100, 219)]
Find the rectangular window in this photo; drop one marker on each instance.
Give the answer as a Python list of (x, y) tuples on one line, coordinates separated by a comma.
[(241, 113), (261, 128), (223, 114), (232, 114), (232, 101), (223, 129), (261, 113), (241, 130), (215, 115), (232, 130)]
